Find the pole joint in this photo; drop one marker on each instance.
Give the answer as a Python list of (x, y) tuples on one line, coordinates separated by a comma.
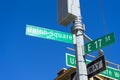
[(78, 25)]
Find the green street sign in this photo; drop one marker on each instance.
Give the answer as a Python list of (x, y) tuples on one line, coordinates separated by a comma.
[(68, 38), (49, 34), (70, 60), (99, 43), (109, 72)]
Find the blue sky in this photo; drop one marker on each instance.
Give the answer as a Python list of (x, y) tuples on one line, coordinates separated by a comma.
[(29, 58)]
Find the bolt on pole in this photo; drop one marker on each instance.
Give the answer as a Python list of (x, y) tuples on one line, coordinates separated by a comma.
[(78, 31)]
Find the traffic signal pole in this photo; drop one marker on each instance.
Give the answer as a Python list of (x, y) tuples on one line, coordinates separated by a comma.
[(78, 31)]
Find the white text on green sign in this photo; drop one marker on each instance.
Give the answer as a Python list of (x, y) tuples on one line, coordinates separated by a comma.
[(70, 60), (49, 34), (109, 72), (99, 43)]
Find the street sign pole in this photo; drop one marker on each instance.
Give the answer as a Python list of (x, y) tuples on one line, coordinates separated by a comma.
[(69, 11), (78, 31)]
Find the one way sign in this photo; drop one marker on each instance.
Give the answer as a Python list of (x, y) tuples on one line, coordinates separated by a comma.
[(96, 66)]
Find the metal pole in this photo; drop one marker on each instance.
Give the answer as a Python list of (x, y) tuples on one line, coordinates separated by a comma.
[(78, 31)]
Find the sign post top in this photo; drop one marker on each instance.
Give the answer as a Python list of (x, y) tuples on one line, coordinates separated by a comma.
[(68, 10)]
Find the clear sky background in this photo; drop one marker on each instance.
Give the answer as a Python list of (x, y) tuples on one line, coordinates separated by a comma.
[(29, 58)]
